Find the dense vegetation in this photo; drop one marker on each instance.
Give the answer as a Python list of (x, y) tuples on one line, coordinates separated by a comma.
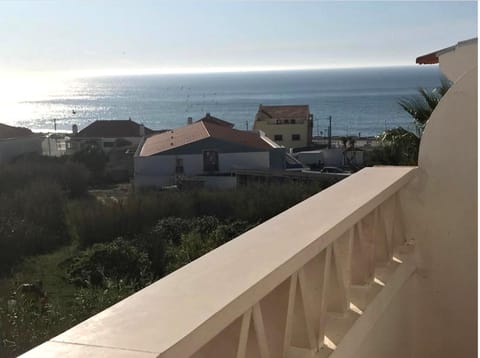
[(90, 253), (400, 146)]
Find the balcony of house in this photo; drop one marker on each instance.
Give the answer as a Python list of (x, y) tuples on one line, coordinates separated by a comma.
[(381, 264)]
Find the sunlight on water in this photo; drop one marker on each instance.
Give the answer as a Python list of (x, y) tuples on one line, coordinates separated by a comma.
[(359, 100), (20, 96), (15, 91)]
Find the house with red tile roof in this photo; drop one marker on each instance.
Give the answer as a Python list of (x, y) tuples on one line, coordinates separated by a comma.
[(16, 141), (288, 125), (211, 149)]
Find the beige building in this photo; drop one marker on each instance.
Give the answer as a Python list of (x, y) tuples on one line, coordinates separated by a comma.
[(381, 264), (290, 125)]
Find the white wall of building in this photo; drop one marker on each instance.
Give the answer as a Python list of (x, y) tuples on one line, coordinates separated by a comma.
[(76, 143), (435, 313), (160, 170), (443, 222)]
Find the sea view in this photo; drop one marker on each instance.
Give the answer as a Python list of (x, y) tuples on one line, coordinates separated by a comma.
[(243, 179), (361, 100)]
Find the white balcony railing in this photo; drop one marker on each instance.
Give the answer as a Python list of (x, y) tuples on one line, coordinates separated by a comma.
[(299, 285)]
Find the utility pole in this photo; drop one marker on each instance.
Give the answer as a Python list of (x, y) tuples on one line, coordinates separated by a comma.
[(246, 123), (329, 132)]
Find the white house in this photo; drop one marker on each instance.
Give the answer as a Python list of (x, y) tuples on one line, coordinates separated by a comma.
[(107, 134), (208, 148)]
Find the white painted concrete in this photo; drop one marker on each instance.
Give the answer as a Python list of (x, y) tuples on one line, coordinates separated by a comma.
[(160, 170), (443, 220), (181, 313)]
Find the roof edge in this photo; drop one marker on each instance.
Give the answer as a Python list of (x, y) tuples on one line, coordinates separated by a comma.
[(432, 58)]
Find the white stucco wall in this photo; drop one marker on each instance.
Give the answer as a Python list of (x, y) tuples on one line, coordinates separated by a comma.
[(442, 218), (443, 221), (160, 170), (435, 313), (76, 143), (392, 335), (455, 64)]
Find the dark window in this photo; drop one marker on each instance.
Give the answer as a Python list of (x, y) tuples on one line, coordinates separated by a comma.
[(285, 121), (293, 121), (279, 121), (278, 137), (210, 161), (295, 136), (107, 144), (179, 166)]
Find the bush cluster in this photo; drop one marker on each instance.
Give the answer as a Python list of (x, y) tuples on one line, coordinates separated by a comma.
[(92, 222), (119, 260), (31, 222), (33, 193)]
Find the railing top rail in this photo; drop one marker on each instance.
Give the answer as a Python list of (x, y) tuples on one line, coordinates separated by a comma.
[(179, 313)]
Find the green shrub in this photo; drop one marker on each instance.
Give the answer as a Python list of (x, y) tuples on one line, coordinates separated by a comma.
[(91, 221), (26, 324), (117, 261)]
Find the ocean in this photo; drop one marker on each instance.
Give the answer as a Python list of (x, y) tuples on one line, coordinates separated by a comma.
[(361, 101)]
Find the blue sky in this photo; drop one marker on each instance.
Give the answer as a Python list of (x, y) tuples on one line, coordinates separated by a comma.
[(176, 35)]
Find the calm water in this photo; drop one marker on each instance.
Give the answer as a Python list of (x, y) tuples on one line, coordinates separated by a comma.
[(359, 100)]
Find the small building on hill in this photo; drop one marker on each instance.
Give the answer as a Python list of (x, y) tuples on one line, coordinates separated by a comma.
[(17, 141), (109, 134), (288, 125), (208, 149)]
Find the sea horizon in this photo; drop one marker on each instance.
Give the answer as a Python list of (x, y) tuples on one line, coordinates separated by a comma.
[(361, 100)]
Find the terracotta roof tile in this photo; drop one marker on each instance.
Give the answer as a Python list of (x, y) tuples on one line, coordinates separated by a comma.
[(174, 138), (197, 131), (285, 112)]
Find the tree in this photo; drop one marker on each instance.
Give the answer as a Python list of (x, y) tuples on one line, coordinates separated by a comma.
[(421, 106), (400, 146)]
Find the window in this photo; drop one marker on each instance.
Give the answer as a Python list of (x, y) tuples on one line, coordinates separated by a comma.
[(285, 121), (179, 166), (295, 137), (107, 144), (279, 121), (278, 137), (293, 121), (210, 161)]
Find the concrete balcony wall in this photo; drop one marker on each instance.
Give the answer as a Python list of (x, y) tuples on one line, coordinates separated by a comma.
[(442, 216), (294, 286)]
